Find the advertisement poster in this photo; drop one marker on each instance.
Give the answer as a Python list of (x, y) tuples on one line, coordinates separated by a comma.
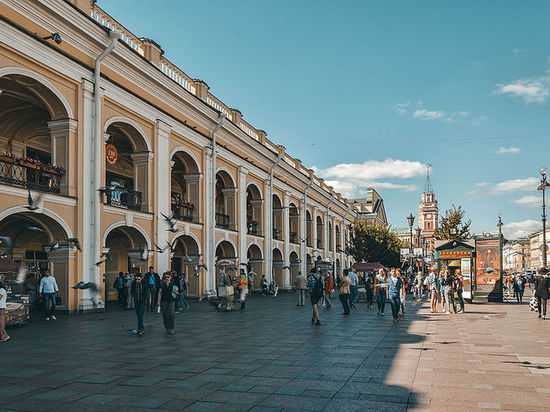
[(487, 262), (466, 270)]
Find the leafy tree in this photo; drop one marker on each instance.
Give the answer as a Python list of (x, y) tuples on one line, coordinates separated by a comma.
[(374, 243), (453, 225)]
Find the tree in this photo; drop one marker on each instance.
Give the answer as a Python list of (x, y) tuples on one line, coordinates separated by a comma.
[(453, 225), (374, 243)]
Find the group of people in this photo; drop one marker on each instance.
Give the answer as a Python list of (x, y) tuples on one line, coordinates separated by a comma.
[(126, 282), (445, 289)]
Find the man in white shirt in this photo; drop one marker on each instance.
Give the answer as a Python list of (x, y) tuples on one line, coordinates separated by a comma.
[(48, 290)]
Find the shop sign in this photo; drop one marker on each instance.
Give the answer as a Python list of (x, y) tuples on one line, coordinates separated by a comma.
[(454, 254), (111, 153)]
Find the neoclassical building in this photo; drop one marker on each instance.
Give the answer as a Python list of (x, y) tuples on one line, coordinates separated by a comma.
[(107, 137)]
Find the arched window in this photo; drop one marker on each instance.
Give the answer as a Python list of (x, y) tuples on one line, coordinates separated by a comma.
[(225, 201), (254, 215)]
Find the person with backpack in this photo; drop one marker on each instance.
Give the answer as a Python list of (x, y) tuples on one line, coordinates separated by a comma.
[(315, 287)]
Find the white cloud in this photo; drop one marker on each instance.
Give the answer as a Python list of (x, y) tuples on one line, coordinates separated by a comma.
[(530, 90), (512, 185), (353, 179), (529, 201), (419, 112), (424, 114), (508, 150), (523, 228)]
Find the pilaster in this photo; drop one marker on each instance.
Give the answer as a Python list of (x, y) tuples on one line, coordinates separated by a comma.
[(162, 191)]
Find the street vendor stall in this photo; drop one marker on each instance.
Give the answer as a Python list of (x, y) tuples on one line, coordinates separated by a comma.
[(457, 254)]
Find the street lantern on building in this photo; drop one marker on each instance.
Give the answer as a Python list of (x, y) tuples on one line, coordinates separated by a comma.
[(542, 187)]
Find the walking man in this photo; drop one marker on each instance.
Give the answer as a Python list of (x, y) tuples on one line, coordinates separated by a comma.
[(153, 284), (243, 287), (139, 296), (459, 286), (119, 286), (381, 285), (395, 285), (300, 285), (344, 292), (168, 297), (542, 283), (519, 288), (354, 286), (48, 290)]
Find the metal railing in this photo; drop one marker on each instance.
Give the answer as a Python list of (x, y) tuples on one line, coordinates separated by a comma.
[(277, 234), (293, 238), (30, 176), (184, 211), (253, 228), (222, 221), (123, 199)]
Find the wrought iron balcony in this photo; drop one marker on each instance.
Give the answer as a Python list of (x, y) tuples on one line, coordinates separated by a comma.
[(30, 174), (253, 228), (182, 210), (123, 199), (222, 221)]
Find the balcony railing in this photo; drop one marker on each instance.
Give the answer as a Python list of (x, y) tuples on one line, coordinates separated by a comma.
[(222, 221), (253, 228), (184, 211), (30, 174), (123, 199), (293, 238), (277, 234)]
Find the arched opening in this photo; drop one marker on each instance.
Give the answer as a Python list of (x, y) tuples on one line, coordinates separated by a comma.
[(278, 227), (278, 268), (309, 263), (225, 201), (126, 250), (294, 266), (294, 224), (226, 259), (330, 241), (255, 264), (185, 185), (35, 136), (320, 237), (185, 260), (338, 239), (254, 215), (309, 229), (40, 244), (126, 168)]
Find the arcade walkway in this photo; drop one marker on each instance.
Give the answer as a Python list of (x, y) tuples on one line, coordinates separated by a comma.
[(495, 357)]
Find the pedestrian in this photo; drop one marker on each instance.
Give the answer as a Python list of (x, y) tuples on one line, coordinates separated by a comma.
[(180, 280), (251, 277), (300, 285), (344, 292), (402, 292), (459, 287), (4, 337), (315, 287), (433, 285), (168, 297), (119, 286), (243, 289), (140, 292), (442, 297), (265, 286), (448, 285), (153, 284), (542, 284), (381, 287), (48, 290), (395, 284), (369, 289), (329, 289), (519, 288), (354, 287), (128, 277)]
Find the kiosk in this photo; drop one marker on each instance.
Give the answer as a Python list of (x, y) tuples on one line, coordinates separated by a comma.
[(457, 254)]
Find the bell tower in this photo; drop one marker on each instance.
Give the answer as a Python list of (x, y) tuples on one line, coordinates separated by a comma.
[(428, 212)]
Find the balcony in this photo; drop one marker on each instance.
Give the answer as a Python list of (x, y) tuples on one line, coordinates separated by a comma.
[(181, 209), (222, 221), (30, 174), (277, 234), (123, 199), (293, 238), (253, 228)]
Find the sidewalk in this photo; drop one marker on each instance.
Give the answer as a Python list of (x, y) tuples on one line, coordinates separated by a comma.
[(494, 357)]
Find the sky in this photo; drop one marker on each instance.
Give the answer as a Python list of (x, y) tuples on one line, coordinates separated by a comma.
[(370, 92)]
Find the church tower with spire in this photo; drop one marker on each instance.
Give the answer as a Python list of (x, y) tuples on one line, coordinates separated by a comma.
[(428, 213)]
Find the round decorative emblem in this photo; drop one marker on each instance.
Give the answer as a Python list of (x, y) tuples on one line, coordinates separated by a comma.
[(111, 153)]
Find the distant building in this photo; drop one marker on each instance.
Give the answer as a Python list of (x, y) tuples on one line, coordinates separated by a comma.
[(371, 210), (535, 249), (428, 215), (515, 255)]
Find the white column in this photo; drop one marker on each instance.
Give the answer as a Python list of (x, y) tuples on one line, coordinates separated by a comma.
[(286, 239), (162, 189), (314, 230), (268, 234), (326, 234), (209, 205), (89, 271), (61, 133), (243, 233)]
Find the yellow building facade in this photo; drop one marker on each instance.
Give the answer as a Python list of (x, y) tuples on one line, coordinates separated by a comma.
[(107, 137)]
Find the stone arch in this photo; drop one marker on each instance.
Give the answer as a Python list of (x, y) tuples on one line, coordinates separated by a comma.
[(309, 229), (294, 262), (134, 125), (320, 233), (225, 200), (255, 264), (254, 210), (185, 260), (277, 217), (184, 186), (278, 270), (294, 223)]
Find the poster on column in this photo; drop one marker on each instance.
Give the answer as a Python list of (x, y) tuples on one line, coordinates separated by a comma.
[(487, 263)]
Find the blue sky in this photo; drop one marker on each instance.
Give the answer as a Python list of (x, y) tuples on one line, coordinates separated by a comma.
[(370, 91)]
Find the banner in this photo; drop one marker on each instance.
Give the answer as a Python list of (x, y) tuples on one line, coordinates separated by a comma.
[(487, 262)]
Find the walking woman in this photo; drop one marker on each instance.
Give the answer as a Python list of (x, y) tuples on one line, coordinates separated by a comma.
[(344, 292), (403, 292), (542, 284), (448, 285), (4, 337), (433, 284), (168, 297), (315, 286), (139, 294), (395, 285), (369, 289), (381, 288), (243, 287)]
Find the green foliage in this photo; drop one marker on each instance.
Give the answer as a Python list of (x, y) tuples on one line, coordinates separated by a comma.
[(453, 225), (374, 243)]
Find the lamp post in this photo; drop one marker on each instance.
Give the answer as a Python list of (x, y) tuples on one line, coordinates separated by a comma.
[(542, 187), (410, 219), (500, 246)]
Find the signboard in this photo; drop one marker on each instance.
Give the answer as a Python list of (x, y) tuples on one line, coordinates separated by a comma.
[(111, 153), (466, 269), (487, 262), (405, 252), (454, 254)]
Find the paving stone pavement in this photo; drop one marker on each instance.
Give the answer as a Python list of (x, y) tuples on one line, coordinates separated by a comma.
[(270, 358)]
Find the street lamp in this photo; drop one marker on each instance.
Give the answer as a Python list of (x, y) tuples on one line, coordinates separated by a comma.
[(410, 219), (500, 246), (542, 187)]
